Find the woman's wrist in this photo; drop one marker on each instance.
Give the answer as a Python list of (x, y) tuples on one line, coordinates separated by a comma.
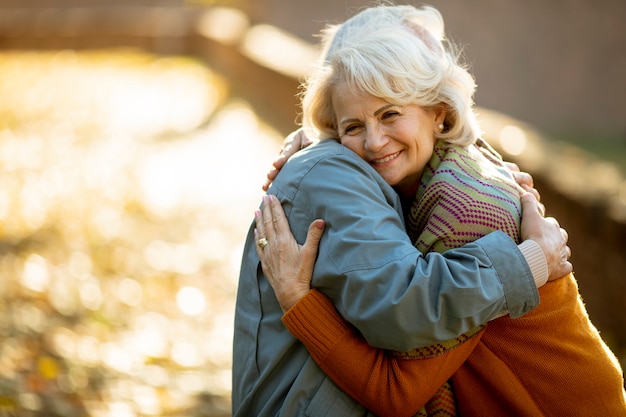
[(536, 260), (288, 298)]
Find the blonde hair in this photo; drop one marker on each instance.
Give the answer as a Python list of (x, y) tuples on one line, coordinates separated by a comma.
[(399, 54)]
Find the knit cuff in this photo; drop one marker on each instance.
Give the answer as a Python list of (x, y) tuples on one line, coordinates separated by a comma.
[(315, 321), (536, 259)]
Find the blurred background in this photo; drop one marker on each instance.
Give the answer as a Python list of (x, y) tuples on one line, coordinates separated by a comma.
[(135, 136)]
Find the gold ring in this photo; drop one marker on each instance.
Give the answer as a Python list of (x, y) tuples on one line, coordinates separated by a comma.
[(262, 243)]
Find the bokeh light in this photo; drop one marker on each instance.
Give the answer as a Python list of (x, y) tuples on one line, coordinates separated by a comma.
[(191, 301), (513, 140), (127, 184)]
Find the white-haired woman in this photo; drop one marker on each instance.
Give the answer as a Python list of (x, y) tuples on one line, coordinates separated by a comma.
[(390, 89)]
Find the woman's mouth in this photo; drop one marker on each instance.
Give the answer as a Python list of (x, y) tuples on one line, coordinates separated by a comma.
[(385, 158)]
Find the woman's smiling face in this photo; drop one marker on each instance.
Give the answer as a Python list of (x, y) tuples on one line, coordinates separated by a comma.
[(397, 141)]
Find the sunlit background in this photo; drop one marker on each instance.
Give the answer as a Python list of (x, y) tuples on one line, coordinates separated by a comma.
[(127, 183)]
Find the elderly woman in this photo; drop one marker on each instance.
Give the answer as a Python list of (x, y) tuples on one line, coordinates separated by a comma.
[(391, 90)]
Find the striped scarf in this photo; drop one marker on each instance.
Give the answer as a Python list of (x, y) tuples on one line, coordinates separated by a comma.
[(464, 193)]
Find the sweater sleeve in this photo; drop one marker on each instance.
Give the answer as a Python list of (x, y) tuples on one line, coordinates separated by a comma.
[(536, 260), (385, 383)]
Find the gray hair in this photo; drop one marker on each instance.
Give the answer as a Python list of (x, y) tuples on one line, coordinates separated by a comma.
[(399, 54)]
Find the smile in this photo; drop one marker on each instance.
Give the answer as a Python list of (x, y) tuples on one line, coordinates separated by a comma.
[(385, 158)]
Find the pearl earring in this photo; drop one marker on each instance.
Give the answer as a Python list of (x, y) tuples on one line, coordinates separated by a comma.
[(440, 126)]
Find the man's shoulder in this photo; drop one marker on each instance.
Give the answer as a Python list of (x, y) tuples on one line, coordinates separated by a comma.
[(325, 149), (328, 169), (326, 160)]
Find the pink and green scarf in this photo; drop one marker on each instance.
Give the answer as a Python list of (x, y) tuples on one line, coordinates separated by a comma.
[(464, 194)]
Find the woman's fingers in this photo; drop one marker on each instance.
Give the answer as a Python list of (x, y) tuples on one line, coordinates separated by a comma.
[(271, 222), (264, 230), (524, 179), (512, 166), (311, 245), (279, 220), (271, 175), (268, 219), (259, 233), (293, 143), (532, 190), (258, 220)]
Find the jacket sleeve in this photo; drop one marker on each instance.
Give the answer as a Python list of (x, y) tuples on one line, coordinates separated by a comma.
[(381, 381), (397, 298)]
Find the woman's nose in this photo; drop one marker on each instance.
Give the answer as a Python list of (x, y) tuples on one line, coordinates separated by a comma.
[(375, 140)]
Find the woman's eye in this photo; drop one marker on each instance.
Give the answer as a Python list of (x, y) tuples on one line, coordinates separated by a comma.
[(351, 130), (390, 114)]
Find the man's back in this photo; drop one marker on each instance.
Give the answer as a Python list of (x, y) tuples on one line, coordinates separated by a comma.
[(273, 374)]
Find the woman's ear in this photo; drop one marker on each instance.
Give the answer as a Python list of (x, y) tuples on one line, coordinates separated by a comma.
[(440, 113)]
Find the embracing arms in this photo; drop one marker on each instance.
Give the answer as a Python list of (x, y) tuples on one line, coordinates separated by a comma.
[(381, 380), (365, 245)]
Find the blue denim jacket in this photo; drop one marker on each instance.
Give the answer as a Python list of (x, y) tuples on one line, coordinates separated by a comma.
[(398, 298)]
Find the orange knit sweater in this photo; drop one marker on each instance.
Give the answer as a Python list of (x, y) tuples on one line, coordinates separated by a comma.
[(551, 362)]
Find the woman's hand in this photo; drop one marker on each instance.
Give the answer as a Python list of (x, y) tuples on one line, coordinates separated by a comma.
[(548, 234), (524, 180), (287, 265), (293, 143), (546, 231)]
